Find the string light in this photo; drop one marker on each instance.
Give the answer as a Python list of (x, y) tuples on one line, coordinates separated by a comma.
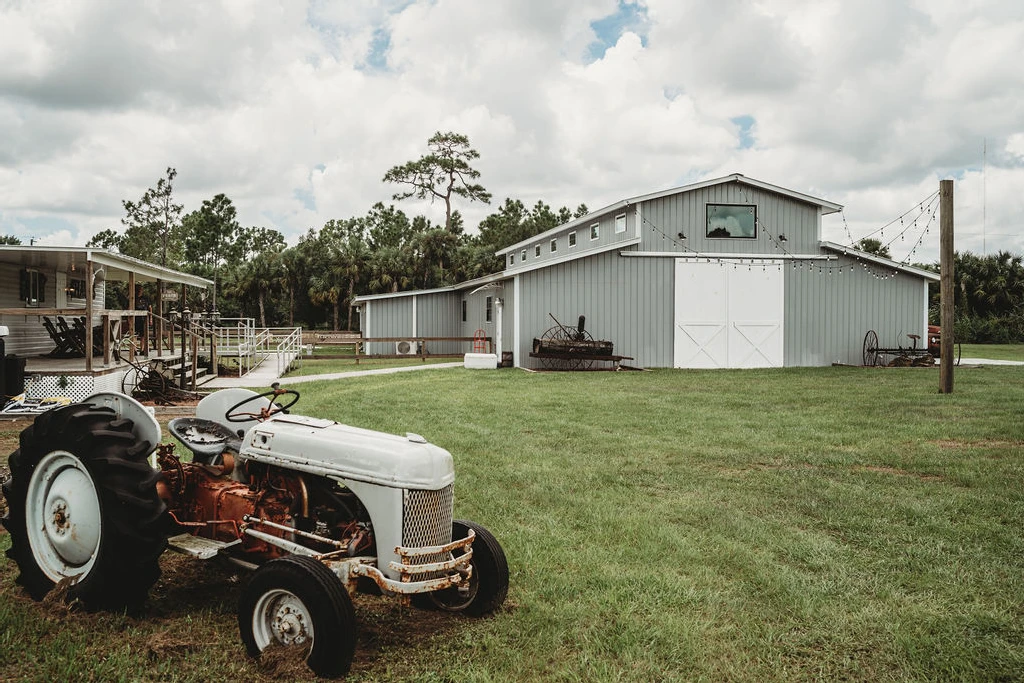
[(925, 207)]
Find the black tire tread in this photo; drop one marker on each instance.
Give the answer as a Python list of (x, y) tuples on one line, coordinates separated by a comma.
[(498, 586), (323, 594), (132, 513), (490, 565)]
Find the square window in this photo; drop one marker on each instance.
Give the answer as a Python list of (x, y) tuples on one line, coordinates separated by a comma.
[(731, 221), (488, 305), (554, 246), (522, 256), (620, 223), (536, 250), (595, 231), (572, 239)]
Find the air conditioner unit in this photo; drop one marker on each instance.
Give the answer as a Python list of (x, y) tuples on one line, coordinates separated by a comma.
[(406, 348)]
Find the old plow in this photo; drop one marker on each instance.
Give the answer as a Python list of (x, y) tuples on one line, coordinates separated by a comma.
[(572, 348)]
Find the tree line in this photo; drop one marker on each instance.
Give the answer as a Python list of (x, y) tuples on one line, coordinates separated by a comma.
[(313, 282)]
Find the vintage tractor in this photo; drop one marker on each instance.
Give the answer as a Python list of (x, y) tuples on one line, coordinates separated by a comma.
[(316, 509)]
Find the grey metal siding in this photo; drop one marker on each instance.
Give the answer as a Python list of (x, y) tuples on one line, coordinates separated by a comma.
[(508, 331), (387, 318), (663, 219), (476, 313), (626, 300), (584, 245), (437, 315), (630, 301), (827, 316)]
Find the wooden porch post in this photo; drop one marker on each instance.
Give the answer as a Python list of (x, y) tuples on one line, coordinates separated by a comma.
[(131, 307), (88, 314), (160, 316), (106, 339), (213, 346)]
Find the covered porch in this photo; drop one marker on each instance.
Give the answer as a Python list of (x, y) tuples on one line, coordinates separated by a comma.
[(53, 302)]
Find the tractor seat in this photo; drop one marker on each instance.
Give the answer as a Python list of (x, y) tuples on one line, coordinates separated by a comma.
[(205, 438)]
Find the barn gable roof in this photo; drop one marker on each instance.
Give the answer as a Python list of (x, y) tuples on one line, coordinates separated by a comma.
[(826, 207)]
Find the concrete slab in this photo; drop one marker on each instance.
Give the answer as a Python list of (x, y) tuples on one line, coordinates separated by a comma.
[(989, 361), (364, 373)]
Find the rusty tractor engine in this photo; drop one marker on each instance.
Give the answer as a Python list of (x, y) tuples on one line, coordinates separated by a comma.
[(205, 501)]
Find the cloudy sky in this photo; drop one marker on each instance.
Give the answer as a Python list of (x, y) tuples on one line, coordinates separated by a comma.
[(296, 109)]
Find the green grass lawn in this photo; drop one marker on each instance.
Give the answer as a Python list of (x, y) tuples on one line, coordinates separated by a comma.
[(776, 525), (994, 351)]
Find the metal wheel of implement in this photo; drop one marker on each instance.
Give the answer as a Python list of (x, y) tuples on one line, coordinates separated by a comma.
[(565, 337), (870, 349)]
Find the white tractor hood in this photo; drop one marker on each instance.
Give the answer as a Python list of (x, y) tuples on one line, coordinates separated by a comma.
[(328, 448)]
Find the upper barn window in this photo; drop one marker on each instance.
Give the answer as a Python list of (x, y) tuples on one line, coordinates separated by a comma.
[(732, 220), (620, 223)]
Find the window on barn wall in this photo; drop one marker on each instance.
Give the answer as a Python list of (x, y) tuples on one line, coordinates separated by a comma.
[(595, 231), (572, 238), (732, 221), (488, 305), (554, 246), (536, 250), (463, 310), (522, 256), (512, 259), (620, 223)]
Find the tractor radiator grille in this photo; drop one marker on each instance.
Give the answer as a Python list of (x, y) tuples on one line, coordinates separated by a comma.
[(427, 520)]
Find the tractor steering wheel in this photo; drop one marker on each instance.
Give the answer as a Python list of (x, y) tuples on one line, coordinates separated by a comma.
[(264, 413)]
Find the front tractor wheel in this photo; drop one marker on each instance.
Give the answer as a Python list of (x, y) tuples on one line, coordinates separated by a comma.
[(296, 601), (83, 509), (488, 586)]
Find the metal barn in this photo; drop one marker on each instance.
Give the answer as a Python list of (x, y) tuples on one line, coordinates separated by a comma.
[(725, 273)]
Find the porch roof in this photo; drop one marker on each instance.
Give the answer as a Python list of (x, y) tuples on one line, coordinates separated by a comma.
[(115, 267)]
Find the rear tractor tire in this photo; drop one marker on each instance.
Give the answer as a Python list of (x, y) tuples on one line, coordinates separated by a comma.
[(488, 586), (83, 509), (296, 601)]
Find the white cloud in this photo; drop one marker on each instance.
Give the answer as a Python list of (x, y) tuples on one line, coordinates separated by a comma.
[(279, 104)]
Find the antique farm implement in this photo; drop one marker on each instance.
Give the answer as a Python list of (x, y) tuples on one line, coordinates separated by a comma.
[(572, 348), (902, 356)]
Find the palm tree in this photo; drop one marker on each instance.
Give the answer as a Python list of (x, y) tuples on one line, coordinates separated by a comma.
[(257, 278), (341, 259)]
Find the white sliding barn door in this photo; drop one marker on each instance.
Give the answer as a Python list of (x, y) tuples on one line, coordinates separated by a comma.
[(728, 317)]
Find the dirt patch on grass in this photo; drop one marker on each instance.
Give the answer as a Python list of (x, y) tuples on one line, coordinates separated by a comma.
[(166, 643), (191, 621), (980, 443), (882, 469), (284, 663)]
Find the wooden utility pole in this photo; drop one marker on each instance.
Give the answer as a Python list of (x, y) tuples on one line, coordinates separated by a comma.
[(946, 286)]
